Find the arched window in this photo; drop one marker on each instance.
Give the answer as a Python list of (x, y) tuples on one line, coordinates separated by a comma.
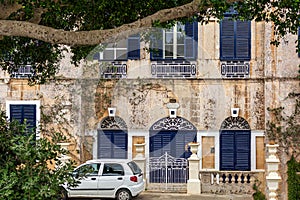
[(112, 138), (235, 144)]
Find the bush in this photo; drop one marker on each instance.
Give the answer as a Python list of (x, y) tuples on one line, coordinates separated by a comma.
[(25, 163), (293, 179)]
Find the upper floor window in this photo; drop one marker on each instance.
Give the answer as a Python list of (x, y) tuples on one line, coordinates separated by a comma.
[(122, 50), (235, 40), (178, 42)]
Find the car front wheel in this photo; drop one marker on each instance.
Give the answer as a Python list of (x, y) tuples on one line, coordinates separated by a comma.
[(123, 194), (62, 195)]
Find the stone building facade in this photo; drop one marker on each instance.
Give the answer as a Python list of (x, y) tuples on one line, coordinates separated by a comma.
[(200, 93)]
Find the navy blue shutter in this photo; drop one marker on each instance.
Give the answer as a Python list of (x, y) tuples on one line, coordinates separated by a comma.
[(191, 40), (156, 45), (242, 145), (235, 40), (104, 144), (227, 39), (179, 142), (227, 151), (96, 56), (243, 40), (112, 144), (235, 150), (161, 142), (120, 145), (22, 112), (172, 142), (133, 47)]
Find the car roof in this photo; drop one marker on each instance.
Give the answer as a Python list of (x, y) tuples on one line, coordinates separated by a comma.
[(108, 161)]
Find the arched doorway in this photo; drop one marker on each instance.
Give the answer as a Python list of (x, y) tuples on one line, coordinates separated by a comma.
[(235, 145), (169, 138), (112, 139), (172, 135)]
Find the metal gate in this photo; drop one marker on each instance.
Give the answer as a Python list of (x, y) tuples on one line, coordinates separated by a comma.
[(167, 173)]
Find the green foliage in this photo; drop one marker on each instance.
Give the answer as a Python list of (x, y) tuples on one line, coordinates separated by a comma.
[(24, 163), (258, 195), (293, 179), (285, 129), (86, 15), (16, 52)]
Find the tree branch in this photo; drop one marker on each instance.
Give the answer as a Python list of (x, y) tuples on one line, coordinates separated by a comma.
[(51, 35), (8, 9)]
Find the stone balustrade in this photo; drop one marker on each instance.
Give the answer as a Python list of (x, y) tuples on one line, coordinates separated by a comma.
[(228, 182)]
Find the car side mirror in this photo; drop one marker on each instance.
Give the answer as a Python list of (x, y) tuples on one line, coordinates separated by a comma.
[(75, 175)]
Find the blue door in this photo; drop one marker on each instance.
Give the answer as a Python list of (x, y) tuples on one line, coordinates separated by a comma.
[(168, 156), (235, 150), (175, 143)]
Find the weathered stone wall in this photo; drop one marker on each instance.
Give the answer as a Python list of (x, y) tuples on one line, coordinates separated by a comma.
[(141, 100)]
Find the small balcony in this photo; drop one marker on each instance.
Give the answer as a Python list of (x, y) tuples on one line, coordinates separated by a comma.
[(173, 69), (112, 70), (235, 69), (23, 72)]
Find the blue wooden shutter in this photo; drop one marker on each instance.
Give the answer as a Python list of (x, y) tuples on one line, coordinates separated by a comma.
[(104, 144), (191, 40), (243, 40), (182, 139), (242, 145), (227, 150), (112, 144), (161, 142), (120, 140), (22, 112), (96, 56), (156, 45), (235, 40), (227, 39), (133, 47)]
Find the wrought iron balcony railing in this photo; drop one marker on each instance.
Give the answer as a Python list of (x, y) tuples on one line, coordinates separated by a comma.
[(173, 69), (235, 69)]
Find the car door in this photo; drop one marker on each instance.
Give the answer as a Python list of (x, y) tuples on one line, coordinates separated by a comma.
[(88, 176), (112, 177)]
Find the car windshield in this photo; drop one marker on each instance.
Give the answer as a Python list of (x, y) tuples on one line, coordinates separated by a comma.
[(134, 167)]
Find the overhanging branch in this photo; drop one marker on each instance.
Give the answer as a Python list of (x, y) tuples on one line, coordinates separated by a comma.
[(72, 38)]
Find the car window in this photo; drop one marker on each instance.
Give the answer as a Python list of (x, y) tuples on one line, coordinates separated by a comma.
[(134, 167), (88, 169), (113, 169)]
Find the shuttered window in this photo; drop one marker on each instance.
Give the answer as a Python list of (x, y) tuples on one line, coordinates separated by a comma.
[(24, 113), (179, 42), (235, 40), (121, 50), (235, 150), (112, 144)]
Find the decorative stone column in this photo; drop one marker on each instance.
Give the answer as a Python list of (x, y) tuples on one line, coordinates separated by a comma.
[(140, 159), (193, 184), (272, 177)]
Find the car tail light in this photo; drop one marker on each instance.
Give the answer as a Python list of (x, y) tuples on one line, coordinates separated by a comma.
[(133, 179)]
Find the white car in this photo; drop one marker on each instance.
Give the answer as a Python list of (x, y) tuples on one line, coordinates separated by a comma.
[(120, 179)]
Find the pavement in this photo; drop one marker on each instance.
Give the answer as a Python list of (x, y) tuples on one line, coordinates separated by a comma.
[(179, 196), (183, 196)]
